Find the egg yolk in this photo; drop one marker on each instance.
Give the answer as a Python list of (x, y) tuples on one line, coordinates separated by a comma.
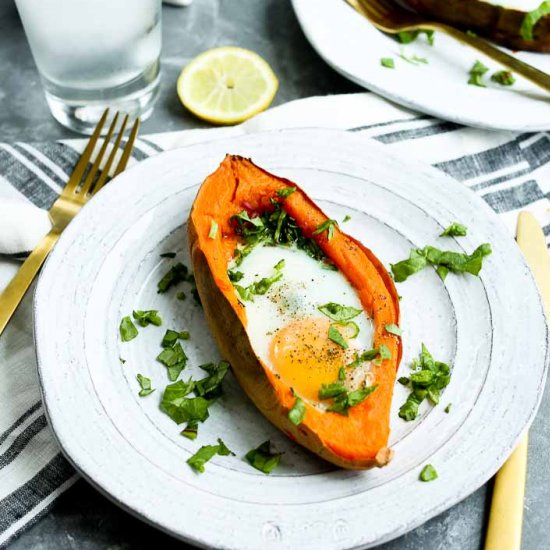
[(302, 354)]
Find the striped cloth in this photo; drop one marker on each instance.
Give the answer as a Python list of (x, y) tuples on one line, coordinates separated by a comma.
[(511, 171)]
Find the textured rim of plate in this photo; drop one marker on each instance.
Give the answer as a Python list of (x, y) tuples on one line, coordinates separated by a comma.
[(430, 499), (393, 94)]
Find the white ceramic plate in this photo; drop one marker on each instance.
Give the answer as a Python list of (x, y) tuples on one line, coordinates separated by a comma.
[(107, 262), (353, 47)]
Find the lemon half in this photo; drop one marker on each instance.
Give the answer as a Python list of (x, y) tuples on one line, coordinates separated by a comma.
[(227, 85)]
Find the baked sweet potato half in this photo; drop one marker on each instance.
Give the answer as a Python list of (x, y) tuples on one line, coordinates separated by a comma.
[(501, 24), (304, 370)]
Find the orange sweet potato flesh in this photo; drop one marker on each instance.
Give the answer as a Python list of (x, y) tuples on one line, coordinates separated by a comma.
[(357, 441)]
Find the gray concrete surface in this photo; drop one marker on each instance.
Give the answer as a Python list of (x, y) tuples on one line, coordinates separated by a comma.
[(84, 519)]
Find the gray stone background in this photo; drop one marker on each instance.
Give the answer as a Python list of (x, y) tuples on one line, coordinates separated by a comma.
[(83, 518)]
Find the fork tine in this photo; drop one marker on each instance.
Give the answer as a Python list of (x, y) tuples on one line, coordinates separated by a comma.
[(95, 167), (128, 148), (84, 159), (105, 172)]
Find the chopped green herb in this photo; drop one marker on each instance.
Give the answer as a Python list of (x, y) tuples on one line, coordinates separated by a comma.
[(328, 391), (176, 274), (427, 380), (273, 228), (168, 255), (404, 380), (339, 313), (172, 336), (405, 268), (384, 352), (347, 218), (174, 359), (406, 37), (358, 396), (452, 261), (448, 408), (298, 412), (244, 217), (286, 192), (393, 329), (476, 74), (127, 329), (122, 360), (210, 387), (387, 62), (205, 453), (412, 59), (442, 271), (504, 78), (263, 459), (344, 401), (262, 286), (181, 295), (471, 33), (244, 293), (145, 385), (428, 473), (341, 373), (327, 226), (213, 230), (455, 230), (191, 430), (173, 398), (351, 329), (235, 276), (368, 355), (335, 335), (184, 409), (145, 318), (531, 20)]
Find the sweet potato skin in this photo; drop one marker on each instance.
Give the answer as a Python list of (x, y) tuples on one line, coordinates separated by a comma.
[(235, 346), (357, 441), (495, 22)]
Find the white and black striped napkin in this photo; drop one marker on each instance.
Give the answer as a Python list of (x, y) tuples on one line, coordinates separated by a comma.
[(511, 171)]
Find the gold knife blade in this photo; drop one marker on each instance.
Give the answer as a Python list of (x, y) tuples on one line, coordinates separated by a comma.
[(506, 516)]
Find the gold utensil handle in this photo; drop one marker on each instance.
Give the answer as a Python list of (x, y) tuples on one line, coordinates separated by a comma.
[(12, 295), (506, 517), (529, 72)]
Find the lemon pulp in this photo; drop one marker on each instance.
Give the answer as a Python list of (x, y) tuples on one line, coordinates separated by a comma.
[(227, 85)]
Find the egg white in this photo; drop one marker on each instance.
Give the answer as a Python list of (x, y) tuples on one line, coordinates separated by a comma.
[(304, 287)]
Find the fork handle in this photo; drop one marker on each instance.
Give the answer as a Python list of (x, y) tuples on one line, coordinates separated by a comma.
[(12, 295), (529, 72)]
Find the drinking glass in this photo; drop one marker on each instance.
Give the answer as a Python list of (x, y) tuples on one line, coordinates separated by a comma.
[(93, 54)]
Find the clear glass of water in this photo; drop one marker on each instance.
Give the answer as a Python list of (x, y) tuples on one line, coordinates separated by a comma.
[(93, 54)]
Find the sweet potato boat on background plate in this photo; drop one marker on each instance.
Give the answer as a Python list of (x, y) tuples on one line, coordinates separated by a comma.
[(350, 428), (504, 22)]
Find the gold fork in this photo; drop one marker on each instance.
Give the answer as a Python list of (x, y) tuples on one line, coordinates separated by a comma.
[(388, 16), (82, 185)]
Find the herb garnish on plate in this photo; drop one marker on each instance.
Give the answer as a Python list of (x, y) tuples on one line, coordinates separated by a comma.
[(205, 453), (443, 260), (145, 385), (263, 459), (426, 381)]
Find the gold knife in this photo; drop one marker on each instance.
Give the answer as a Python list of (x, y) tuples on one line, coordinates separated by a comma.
[(506, 516)]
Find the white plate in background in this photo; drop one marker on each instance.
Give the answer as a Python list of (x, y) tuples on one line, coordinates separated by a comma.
[(354, 47)]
